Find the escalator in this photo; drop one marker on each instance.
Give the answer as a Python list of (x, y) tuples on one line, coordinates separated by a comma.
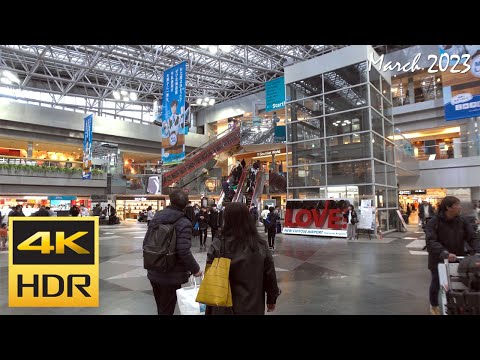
[(241, 186), (277, 183), (256, 198), (200, 156)]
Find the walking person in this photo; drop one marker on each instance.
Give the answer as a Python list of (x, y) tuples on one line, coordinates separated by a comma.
[(447, 235), (215, 219), (252, 270), (352, 219), (263, 216), (271, 225), (165, 284), (202, 218), (150, 214)]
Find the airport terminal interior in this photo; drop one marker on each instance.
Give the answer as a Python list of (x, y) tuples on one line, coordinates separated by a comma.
[(306, 131)]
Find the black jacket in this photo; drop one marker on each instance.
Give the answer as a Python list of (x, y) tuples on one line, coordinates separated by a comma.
[(185, 263), (354, 217), (449, 236), (41, 212), (215, 219), (252, 275), (202, 223), (190, 213)]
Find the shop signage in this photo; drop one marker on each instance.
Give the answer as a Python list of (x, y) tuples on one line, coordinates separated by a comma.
[(322, 217), (65, 197), (412, 192), (265, 153), (140, 199)]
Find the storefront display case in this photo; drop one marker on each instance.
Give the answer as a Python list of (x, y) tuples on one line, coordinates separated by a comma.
[(129, 207)]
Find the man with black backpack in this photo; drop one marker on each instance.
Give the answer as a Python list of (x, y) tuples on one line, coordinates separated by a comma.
[(167, 255)]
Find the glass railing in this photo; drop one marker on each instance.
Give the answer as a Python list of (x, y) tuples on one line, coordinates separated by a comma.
[(447, 151), (261, 130)]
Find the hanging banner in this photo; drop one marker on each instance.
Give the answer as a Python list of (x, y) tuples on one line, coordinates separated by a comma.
[(461, 91), (275, 94), (87, 147), (173, 114)]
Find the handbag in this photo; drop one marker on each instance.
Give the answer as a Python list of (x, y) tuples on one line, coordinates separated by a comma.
[(186, 300), (215, 288)]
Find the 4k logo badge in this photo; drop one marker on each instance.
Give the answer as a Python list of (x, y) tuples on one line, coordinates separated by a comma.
[(53, 262)]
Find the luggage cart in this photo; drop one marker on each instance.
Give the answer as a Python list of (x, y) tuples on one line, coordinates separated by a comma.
[(449, 281)]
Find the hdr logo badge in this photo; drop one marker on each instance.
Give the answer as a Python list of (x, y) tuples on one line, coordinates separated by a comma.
[(53, 262)]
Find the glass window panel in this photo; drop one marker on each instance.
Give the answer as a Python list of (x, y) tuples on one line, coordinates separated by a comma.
[(311, 175), (347, 122), (305, 108), (391, 178), (392, 198), (344, 77), (305, 88), (382, 219), (305, 130), (378, 147), (380, 196), (379, 173), (400, 94), (312, 151), (393, 220), (386, 88), (389, 150), (307, 193), (365, 191), (387, 110), (388, 129), (346, 99), (377, 122), (354, 172), (375, 77), (347, 147), (376, 99)]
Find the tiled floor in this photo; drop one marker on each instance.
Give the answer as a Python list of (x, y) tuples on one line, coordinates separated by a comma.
[(316, 275)]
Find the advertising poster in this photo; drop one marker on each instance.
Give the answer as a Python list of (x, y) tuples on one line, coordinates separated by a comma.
[(87, 147), (366, 215), (275, 94), (321, 217), (461, 91), (173, 114)]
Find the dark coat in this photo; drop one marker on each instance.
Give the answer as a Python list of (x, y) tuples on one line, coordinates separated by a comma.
[(354, 217), (252, 275), (202, 223), (449, 236), (190, 213), (215, 219), (186, 263), (421, 211), (41, 212)]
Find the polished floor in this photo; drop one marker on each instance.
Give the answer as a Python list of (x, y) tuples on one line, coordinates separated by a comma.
[(318, 276)]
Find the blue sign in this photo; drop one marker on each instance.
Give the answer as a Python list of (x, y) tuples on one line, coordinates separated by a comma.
[(280, 134), (64, 197), (275, 94), (173, 114), (461, 94), (87, 147)]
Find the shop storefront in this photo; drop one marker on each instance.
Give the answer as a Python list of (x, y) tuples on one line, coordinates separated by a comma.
[(58, 203), (129, 207), (416, 196)]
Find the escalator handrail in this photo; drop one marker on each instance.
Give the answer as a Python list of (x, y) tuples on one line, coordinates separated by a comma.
[(241, 182)]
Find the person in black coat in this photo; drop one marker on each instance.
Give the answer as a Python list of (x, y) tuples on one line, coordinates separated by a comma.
[(447, 235), (41, 212), (215, 219), (202, 218), (271, 226), (165, 284), (190, 212), (252, 270)]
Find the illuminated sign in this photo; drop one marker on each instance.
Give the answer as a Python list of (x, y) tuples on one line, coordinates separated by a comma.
[(322, 217), (265, 153)]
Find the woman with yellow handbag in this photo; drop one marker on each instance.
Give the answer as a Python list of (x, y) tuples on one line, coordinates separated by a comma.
[(251, 268)]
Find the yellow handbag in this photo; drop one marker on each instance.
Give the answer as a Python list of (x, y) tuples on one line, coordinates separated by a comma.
[(215, 287)]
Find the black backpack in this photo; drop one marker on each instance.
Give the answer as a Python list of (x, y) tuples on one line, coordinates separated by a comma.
[(159, 247)]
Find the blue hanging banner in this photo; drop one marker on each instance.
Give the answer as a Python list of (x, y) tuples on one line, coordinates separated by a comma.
[(87, 147), (275, 94), (173, 114)]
